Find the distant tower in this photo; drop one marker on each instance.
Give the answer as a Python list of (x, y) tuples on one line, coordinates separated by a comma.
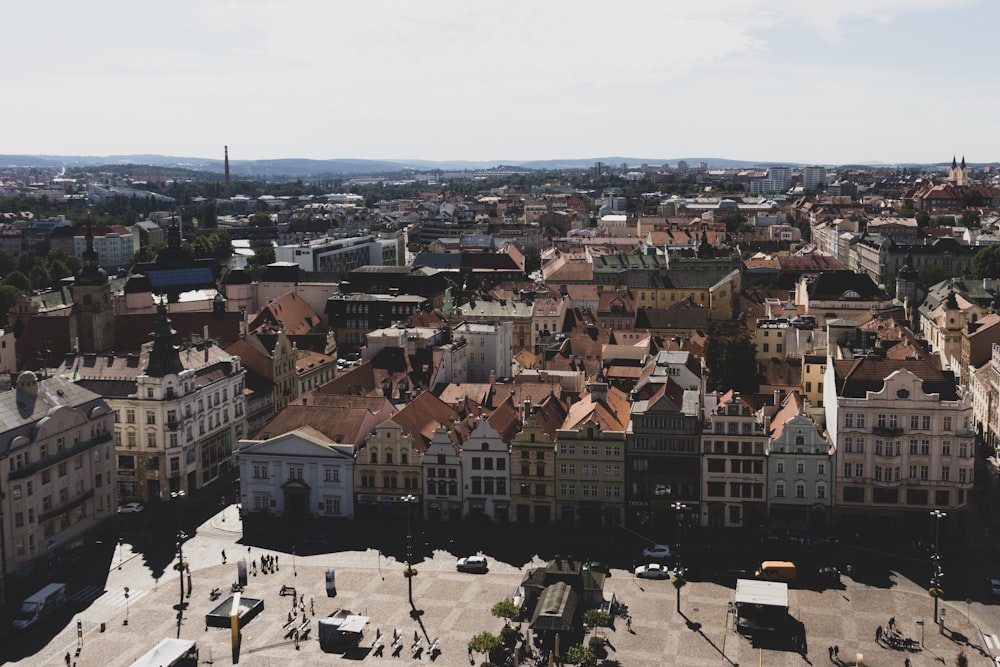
[(959, 173), (92, 320), (228, 182)]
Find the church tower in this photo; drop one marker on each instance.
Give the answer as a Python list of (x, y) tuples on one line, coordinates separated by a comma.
[(92, 319), (959, 173)]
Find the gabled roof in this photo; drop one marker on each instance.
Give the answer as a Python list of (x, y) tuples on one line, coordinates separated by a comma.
[(341, 419), (289, 313), (856, 377)]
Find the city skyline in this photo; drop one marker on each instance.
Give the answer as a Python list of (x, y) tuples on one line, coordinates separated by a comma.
[(882, 81)]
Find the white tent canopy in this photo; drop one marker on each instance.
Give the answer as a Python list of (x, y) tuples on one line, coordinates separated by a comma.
[(767, 593), (165, 653)]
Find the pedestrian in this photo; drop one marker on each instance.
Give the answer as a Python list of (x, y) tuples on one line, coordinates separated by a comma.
[(878, 634), (628, 622), (836, 651), (829, 649), (892, 623), (223, 556), (276, 563), (906, 663), (69, 659)]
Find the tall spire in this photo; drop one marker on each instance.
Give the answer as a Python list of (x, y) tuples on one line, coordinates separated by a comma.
[(91, 272), (164, 359)]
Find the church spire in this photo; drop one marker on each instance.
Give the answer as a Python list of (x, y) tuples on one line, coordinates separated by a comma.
[(164, 359)]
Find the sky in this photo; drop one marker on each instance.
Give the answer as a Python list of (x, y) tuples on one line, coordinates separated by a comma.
[(807, 81)]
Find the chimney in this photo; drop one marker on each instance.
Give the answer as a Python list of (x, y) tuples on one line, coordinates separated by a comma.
[(228, 186), (777, 397), (598, 391)]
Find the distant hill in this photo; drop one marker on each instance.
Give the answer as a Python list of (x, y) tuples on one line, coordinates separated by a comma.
[(339, 168)]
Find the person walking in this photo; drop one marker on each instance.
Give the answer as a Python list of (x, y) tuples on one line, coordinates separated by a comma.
[(878, 634), (906, 663), (223, 556), (836, 651), (68, 659), (892, 623), (829, 649)]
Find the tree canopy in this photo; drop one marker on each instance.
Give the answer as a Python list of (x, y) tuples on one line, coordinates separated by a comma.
[(986, 263), (731, 358)]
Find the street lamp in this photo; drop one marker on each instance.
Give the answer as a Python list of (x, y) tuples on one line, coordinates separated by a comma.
[(936, 572), (407, 500), (295, 572), (181, 536)]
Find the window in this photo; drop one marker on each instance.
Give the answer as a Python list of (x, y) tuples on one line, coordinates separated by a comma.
[(331, 473), (860, 445), (914, 422), (800, 490), (945, 473), (847, 469), (861, 420), (719, 465), (716, 489), (859, 469), (925, 447), (46, 476), (567, 468), (130, 416), (913, 445), (820, 468), (946, 426), (332, 505), (848, 444), (16, 491), (779, 490), (295, 472), (848, 420), (487, 463), (151, 440), (539, 489), (800, 467), (821, 490), (62, 468), (150, 417), (946, 448)]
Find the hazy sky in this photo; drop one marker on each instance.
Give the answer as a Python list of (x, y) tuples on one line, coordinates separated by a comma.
[(771, 80)]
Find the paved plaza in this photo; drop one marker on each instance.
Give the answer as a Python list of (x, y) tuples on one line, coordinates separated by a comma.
[(455, 606)]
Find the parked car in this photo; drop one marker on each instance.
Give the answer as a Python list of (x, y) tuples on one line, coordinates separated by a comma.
[(994, 586), (477, 564), (652, 571), (131, 508), (318, 538), (657, 551)]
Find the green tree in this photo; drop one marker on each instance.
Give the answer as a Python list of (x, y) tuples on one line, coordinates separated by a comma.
[(505, 609), (578, 654), (8, 297), (17, 279), (40, 277), (730, 356), (596, 618), (7, 262), (986, 263), (485, 642), (928, 274)]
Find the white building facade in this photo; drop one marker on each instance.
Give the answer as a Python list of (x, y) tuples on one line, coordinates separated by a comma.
[(297, 476)]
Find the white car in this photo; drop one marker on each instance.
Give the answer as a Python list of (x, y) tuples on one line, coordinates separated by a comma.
[(994, 585), (652, 571), (657, 551), (472, 564), (131, 508)]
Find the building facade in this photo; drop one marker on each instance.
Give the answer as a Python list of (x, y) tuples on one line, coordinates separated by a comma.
[(297, 476), (59, 471)]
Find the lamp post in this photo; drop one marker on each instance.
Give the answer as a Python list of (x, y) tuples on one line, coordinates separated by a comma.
[(936, 572), (407, 500), (181, 536), (295, 572), (679, 508)]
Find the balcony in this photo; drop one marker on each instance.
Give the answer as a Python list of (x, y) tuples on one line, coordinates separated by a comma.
[(889, 431), (32, 468), (67, 506)]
